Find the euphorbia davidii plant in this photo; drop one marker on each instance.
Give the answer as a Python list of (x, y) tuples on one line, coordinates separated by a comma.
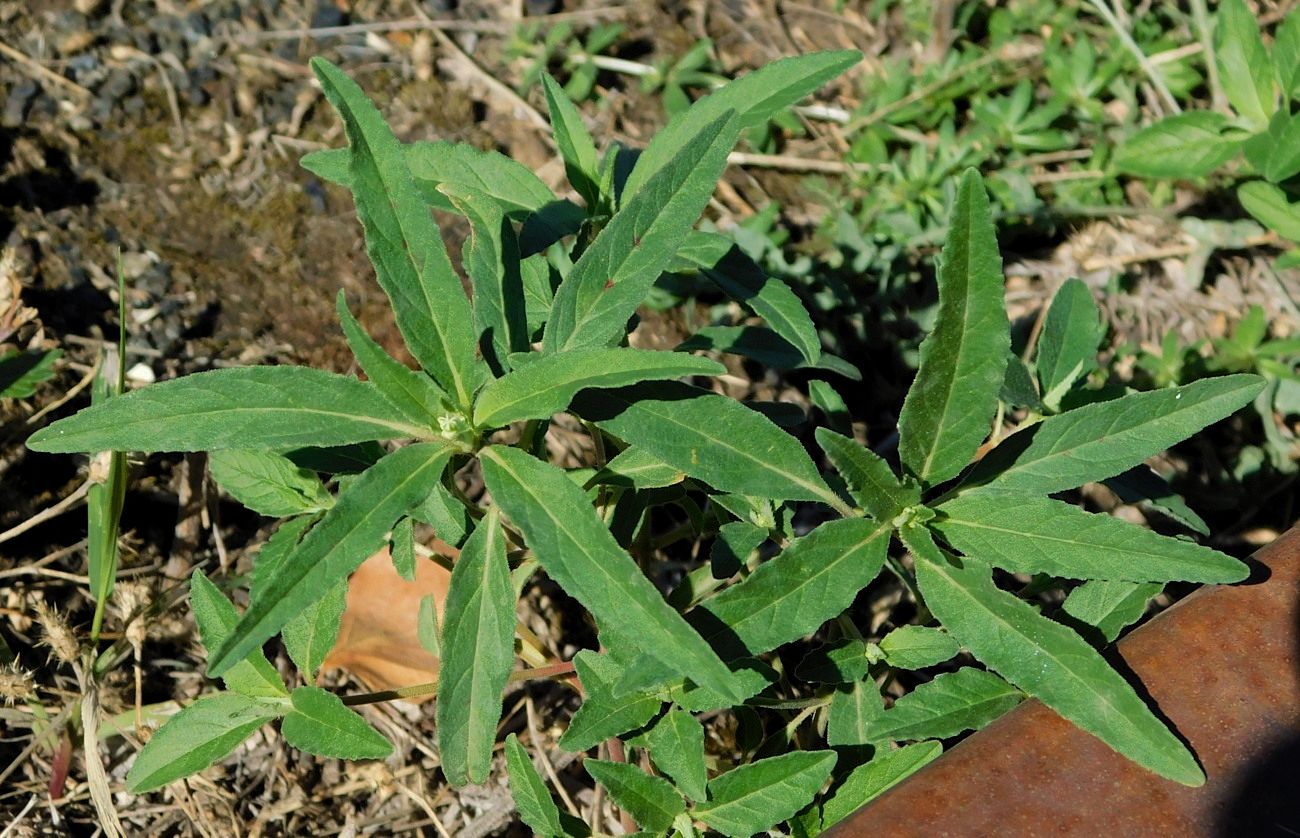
[(554, 291)]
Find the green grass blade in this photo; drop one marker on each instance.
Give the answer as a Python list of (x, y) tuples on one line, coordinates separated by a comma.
[(811, 581), (614, 274), (576, 549), (1103, 439), (252, 407), (198, 736), (404, 244), (712, 438), (413, 393), (754, 97), (1028, 534), (1046, 660), (477, 653), (352, 530), (547, 385), (950, 405), (752, 798)]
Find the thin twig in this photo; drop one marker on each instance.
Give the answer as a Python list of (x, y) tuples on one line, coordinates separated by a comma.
[(1157, 81), (47, 513), (41, 71), (71, 394), (791, 163)]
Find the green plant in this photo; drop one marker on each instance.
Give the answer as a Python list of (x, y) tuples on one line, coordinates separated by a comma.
[(555, 288)]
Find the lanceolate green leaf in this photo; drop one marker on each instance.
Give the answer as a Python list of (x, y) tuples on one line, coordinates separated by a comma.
[(547, 385), (871, 481), (268, 483), (573, 142), (949, 408), (953, 702), (1046, 660), (1108, 607), (250, 407), (870, 780), (1244, 68), (312, 633), (651, 801), (916, 647), (1067, 347), (320, 724), (491, 261), (1103, 439), (603, 713), (749, 799), (1191, 144), (637, 469), (404, 244), (754, 97), (676, 744), (198, 736), (345, 537), (709, 437), (477, 652), (614, 274), (812, 580), (853, 712), (532, 799), (1030, 534), (577, 551), (413, 393), (253, 676)]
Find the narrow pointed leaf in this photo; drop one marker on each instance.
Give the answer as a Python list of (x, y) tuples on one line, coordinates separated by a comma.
[(311, 634), (281, 543), (712, 438), (651, 801), (1244, 68), (952, 703), (872, 779), (916, 647), (491, 261), (322, 725), (749, 799), (532, 799), (198, 736), (842, 662), (676, 744), (573, 142), (1141, 485), (254, 676), (579, 553), (754, 97), (349, 533), (1046, 660), (1103, 439), (546, 386), (950, 405), (413, 393), (1067, 347), (477, 653), (1185, 145), (637, 469), (1028, 534), (766, 346), (403, 242), (1108, 607), (812, 580), (268, 483), (401, 548), (604, 713), (614, 274), (250, 407), (853, 712), (871, 481), (508, 182)]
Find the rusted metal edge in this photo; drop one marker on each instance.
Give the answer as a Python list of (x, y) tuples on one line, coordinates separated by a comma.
[(1221, 665)]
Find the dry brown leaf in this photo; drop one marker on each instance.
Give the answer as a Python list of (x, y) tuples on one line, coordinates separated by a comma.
[(377, 639)]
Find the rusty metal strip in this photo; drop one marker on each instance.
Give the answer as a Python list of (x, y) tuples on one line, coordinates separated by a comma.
[(1222, 665)]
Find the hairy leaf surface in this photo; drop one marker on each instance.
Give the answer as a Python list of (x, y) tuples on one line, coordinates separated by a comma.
[(651, 801), (747, 800), (953, 702), (321, 724), (268, 483)]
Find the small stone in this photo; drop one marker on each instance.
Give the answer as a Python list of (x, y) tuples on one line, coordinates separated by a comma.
[(119, 84), (327, 14), (75, 42), (88, 7), (141, 373), (15, 108), (135, 264)]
